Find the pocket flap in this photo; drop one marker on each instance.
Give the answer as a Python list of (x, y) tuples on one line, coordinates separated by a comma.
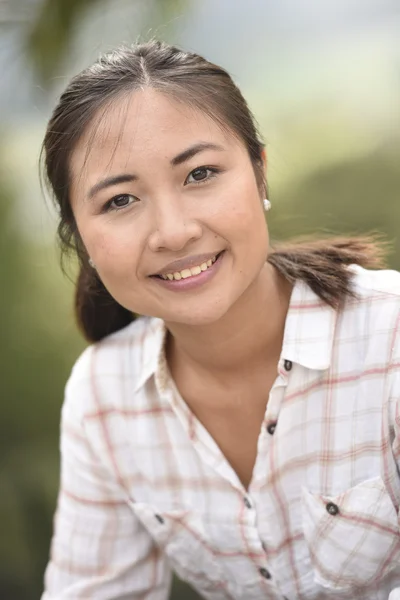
[(180, 535), (353, 537)]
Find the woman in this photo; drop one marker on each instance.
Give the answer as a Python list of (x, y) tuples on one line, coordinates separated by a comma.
[(243, 431)]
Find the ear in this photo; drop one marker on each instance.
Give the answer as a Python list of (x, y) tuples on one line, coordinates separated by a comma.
[(264, 158)]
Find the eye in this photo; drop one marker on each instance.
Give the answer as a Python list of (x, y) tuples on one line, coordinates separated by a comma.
[(200, 175), (119, 202)]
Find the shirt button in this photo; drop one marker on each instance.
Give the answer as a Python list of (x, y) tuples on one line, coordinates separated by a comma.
[(159, 519), (247, 502), (288, 365), (264, 573), (332, 508), (271, 428)]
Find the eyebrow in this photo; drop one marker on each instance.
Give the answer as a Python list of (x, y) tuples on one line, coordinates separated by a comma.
[(177, 160), (110, 181), (192, 151)]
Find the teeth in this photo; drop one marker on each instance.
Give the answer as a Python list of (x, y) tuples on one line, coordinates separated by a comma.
[(189, 272)]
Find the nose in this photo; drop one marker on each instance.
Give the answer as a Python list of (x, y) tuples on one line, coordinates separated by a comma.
[(173, 227)]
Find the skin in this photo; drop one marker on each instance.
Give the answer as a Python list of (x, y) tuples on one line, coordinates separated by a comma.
[(226, 335)]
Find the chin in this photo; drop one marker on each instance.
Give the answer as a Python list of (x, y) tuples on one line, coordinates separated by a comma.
[(203, 316)]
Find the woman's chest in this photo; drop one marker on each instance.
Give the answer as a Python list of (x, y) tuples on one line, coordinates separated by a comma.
[(320, 519), (324, 496), (236, 431), (232, 418), (277, 544)]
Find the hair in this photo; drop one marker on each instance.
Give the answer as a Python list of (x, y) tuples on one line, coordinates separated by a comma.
[(191, 79)]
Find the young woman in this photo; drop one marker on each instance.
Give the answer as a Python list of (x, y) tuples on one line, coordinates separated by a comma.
[(235, 419)]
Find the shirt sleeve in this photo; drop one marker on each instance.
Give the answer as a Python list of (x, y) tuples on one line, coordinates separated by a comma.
[(99, 547), (394, 390), (395, 398)]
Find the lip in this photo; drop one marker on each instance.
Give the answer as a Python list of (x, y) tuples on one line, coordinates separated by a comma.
[(195, 281), (186, 263)]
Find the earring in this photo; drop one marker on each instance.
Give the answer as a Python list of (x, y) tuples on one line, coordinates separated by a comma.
[(267, 205), (91, 263)]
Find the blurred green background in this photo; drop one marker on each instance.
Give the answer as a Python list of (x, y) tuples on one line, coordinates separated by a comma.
[(323, 80)]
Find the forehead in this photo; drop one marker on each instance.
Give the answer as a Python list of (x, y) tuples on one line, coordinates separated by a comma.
[(143, 125)]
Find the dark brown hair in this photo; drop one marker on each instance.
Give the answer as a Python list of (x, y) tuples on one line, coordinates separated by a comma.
[(191, 79)]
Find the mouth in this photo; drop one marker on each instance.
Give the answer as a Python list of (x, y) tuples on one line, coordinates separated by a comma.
[(191, 279), (192, 272)]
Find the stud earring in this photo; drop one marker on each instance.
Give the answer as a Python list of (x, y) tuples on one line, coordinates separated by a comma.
[(91, 263), (267, 205)]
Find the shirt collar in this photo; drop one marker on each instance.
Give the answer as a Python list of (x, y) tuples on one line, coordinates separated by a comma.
[(309, 329), (308, 336), (152, 351)]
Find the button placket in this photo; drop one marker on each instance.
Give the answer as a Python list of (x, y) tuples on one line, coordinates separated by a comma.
[(268, 428), (247, 503), (253, 541)]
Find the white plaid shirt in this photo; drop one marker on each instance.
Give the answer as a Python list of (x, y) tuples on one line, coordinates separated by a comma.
[(146, 490)]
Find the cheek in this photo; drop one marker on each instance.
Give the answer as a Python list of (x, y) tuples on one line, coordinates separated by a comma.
[(113, 249), (241, 212)]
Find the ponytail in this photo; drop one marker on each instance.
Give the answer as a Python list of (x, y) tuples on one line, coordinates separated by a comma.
[(96, 311), (321, 264)]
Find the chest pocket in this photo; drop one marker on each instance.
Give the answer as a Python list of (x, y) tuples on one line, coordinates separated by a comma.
[(353, 538), (181, 537)]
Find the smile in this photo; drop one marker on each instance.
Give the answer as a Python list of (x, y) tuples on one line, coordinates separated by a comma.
[(186, 273), (188, 279)]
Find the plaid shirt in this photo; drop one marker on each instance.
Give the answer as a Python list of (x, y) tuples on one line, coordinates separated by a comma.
[(145, 490)]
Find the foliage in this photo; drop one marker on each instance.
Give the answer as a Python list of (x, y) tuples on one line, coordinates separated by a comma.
[(35, 357), (356, 196)]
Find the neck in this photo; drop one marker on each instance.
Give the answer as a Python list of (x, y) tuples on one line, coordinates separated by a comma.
[(248, 335)]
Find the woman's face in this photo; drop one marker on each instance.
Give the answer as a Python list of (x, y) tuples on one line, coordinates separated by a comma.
[(156, 182)]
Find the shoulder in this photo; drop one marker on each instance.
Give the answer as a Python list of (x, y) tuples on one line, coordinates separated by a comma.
[(374, 311), (376, 293), (108, 356), (382, 284), (107, 368)]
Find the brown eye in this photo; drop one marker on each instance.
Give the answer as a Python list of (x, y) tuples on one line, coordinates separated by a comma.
[(200, 175), (121, 201)]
